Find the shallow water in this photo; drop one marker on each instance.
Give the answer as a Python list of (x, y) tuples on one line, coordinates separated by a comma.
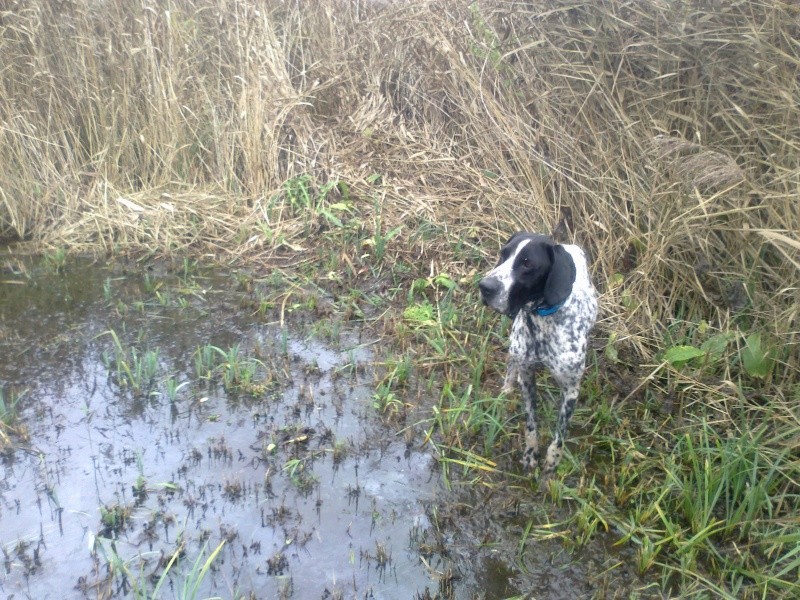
[(312, 495)]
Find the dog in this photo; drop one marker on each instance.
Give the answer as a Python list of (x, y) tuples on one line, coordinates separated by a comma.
[(545, 288)]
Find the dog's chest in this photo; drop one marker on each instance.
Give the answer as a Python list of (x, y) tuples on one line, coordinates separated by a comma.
[(541, 340)]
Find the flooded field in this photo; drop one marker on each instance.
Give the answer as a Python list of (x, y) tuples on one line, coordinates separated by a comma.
[(176, 440)]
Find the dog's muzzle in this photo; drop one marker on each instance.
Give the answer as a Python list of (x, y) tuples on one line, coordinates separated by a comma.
[(490, 288), (494, 294)]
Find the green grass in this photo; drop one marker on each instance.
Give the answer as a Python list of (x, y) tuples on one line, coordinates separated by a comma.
[(184, 583), (703, 492), (131, 368), (55, 260), (9, 408), (236, 371), (691, 467), (303, 479)]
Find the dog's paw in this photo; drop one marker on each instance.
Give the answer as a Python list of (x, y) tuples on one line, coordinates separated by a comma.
[(544, 482), (530, 460)]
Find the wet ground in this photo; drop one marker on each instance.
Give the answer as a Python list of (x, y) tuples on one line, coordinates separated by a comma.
[(167, 414)]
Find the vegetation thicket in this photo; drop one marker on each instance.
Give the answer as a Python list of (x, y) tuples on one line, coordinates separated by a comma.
[(404, 141)]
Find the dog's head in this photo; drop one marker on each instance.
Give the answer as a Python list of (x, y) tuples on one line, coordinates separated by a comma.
[(532, 269)]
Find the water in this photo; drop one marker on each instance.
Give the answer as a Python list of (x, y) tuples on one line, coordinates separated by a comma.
[(313, 496)]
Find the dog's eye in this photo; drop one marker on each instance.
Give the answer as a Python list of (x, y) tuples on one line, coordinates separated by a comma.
[(526, 262)]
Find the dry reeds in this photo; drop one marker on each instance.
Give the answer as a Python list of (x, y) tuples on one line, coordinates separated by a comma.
[(662, 137)]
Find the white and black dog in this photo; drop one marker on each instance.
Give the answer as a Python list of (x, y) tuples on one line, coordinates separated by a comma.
[(545, 288)]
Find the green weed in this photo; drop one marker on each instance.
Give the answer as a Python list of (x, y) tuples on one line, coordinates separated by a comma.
[(304, 199), (173, 387), (142, 586), (189, 584), (387, 403), (302, 478), (757, 356), (231, 367), (56, 260), (205, 361), (10, 422), (130, 367), (113, 519)]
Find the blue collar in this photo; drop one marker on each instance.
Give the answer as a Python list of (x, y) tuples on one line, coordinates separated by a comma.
[(544, 311)]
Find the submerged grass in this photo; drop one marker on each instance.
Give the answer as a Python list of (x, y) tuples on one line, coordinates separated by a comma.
[(303, 139), (10, 423)]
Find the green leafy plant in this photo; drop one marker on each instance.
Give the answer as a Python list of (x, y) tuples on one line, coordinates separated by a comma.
[(304, 200), (420, 315), (9, 404), (56, 260), (682, 354), (757, 356)]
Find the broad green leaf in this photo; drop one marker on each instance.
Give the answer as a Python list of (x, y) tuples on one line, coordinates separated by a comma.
[(681, 354), (444, 281), (715, 345)]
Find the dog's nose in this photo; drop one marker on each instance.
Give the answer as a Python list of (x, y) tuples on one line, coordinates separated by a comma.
[(489, 287)]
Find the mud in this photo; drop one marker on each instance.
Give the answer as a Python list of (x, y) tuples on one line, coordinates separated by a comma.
[(311, 493)]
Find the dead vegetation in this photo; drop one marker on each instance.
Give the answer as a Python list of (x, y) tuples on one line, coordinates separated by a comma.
[(662, 137)]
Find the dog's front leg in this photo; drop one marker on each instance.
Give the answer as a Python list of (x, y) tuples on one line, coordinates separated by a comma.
[(527, 383), (511, 379)]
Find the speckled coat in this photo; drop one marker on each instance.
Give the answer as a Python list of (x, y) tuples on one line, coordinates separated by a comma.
[(542, 335)]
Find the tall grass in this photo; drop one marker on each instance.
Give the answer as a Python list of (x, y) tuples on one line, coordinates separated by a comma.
[(662, 136)]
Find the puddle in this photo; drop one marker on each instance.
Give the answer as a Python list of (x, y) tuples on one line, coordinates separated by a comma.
[(312, 495)]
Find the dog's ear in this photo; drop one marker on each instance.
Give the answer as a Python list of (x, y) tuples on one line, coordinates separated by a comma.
[(561, 277)]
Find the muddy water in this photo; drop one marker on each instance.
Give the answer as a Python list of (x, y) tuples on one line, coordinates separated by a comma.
[(312, 495)]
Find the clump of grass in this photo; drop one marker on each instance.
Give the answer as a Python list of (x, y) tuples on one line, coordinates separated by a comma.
[(9, 404), (701, 510), (190, 583), (236, 371), (10, 423), (301, 477), (173, 387), (131, 367), (185, 584), (55, 260)]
